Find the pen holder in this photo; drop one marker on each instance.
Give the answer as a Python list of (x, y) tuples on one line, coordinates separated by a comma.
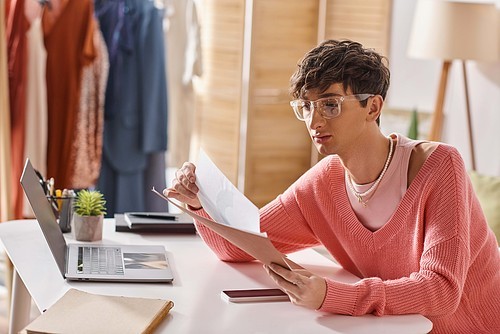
[(66, 213), (63, 210)]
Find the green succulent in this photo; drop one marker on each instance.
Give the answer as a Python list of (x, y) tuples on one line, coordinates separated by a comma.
[(90, 203)]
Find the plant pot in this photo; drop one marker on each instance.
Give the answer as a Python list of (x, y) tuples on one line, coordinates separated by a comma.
[(88, 228)]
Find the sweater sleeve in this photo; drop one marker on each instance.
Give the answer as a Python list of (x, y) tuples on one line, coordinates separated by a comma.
[(224, 250), (287, 233), (436, 289)]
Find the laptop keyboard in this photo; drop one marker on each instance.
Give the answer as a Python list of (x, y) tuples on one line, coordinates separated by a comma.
[(100, 261)]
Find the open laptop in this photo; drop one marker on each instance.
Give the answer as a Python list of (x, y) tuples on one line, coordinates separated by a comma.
[(93, 261)]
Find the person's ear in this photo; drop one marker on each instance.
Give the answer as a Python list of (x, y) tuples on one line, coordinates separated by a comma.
[(375, 104)]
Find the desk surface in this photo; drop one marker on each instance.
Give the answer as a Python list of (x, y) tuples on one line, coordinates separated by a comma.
[(199, 279)]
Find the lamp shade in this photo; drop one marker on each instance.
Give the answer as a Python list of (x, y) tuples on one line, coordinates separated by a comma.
[(454, 30)]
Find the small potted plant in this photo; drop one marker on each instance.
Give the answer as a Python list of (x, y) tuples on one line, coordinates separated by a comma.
[(89, 206)]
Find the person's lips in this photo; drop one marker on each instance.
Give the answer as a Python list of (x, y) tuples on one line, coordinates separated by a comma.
[(321, 138)]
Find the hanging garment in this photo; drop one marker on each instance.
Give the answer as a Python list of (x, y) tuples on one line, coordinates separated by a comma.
[(68, 35), (135, 186), (183, 63), (17, 26), (87, 146), (136, 103), (36, 134), (5, 156)]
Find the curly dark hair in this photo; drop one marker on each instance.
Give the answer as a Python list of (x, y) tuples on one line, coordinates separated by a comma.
[(347, 62)]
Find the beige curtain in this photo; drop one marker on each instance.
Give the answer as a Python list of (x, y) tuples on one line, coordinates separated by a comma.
[(5, 182), (183, 59)]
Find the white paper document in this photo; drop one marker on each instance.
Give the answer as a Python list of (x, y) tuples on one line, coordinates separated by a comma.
[(222, 200), (235, 217), (255, 244)]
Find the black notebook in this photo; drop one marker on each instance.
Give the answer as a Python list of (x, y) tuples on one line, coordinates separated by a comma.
[(154, 223)]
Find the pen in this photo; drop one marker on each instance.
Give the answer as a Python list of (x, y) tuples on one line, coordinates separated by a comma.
[(51, 186), (53, 204), (59, 199)]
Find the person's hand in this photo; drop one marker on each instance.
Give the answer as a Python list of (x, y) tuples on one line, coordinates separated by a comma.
[(303, 287), (183, 186)]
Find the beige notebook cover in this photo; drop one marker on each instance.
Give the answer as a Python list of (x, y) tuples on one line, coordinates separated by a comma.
[(79, 312)]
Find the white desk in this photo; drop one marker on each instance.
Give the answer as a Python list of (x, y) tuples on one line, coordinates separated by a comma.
[(199, 279)]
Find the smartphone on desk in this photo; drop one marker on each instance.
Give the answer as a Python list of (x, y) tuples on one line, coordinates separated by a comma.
[(254, 295)]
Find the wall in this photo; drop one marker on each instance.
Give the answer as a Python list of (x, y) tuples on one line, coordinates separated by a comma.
[(249, 49), (414, 84)]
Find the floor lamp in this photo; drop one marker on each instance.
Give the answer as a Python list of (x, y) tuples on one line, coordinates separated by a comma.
[(450, 30)]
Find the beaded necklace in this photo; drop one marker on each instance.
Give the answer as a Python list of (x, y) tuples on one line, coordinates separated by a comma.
[(373, 187)]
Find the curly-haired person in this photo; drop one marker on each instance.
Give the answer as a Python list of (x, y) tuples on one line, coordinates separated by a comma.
[(400, 214)]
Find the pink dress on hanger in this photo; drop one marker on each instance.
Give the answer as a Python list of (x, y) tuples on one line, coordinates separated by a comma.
[(17, 26)]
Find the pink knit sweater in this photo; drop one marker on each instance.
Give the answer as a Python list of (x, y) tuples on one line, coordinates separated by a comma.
[(436, 256)]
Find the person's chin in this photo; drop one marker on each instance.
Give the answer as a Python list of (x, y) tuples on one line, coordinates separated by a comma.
[(322, 149), (323, 144)]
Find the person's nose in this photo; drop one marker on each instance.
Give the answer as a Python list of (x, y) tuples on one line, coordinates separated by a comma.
[(316, 120)]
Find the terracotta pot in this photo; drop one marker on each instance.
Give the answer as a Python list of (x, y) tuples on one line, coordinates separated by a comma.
[(88, 228)]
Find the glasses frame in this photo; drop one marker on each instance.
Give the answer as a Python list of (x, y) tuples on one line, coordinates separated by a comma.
[(295, 105)]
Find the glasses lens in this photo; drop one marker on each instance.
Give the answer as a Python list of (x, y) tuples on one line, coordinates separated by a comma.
[(302, 109), (329, 108)]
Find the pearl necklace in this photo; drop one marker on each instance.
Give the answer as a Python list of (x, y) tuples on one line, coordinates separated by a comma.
[(375, 184)]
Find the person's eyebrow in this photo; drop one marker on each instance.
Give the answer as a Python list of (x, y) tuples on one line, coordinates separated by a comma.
[(321, 96)]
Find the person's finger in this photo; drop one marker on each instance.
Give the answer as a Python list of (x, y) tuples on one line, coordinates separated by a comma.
[(189, 170), (181, 178), (282, 279), (303, 272), (183, 186), (186, 177), (182, 190), (172, 193), (293, 291), (294, 277), (303, 287)]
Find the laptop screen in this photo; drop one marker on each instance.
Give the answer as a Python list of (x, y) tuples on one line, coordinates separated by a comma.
[(44, 214)]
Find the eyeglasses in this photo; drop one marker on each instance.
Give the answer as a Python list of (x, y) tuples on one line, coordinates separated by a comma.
[(328, 107)]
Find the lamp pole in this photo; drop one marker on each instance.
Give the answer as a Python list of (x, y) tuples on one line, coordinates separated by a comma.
[(439, 30), (437, 117), (469, 117)]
